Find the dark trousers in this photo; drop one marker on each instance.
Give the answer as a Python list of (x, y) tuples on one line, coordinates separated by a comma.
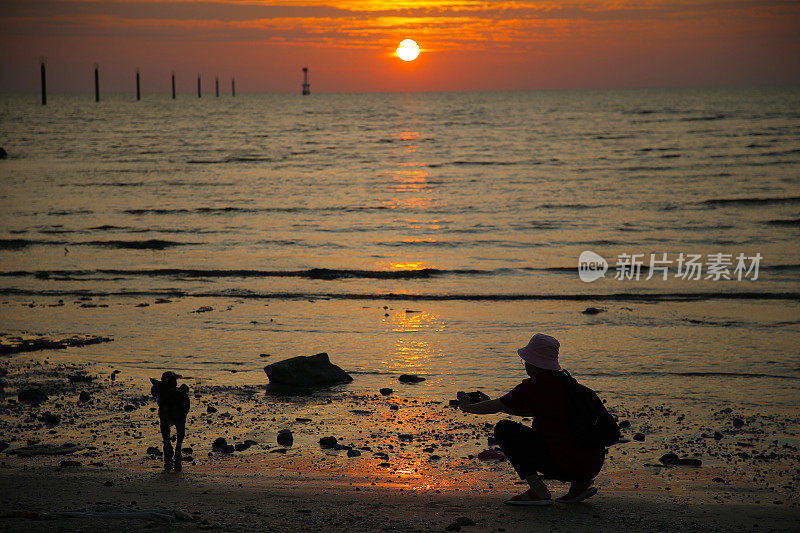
[(527, 450)]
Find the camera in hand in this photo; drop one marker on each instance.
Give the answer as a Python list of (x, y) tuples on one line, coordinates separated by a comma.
[(474, 397)]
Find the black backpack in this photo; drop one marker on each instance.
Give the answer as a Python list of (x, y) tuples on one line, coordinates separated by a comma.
[(587, 418)]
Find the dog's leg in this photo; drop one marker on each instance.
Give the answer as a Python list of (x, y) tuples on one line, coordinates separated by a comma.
[(167, 444), (180, 431)]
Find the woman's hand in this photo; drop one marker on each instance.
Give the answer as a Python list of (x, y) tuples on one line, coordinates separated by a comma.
[(481, 407)]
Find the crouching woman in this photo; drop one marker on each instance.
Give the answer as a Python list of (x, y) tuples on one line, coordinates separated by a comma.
[(546, 450)]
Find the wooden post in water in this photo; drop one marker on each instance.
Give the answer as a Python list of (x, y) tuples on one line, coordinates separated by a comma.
[(138, 92), (233, 86), (216, 82), (44, 83), (199, 94), (306, 86), (173, 85), (96, 82)]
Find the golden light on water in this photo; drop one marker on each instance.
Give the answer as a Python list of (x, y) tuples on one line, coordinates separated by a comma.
[(407, 265), (411, 203), (414, 348), (419, 224)]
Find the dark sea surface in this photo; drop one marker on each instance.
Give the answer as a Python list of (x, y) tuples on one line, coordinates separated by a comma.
[(422, 233)]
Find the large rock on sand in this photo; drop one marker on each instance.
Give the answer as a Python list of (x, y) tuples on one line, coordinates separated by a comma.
[(305, 372)]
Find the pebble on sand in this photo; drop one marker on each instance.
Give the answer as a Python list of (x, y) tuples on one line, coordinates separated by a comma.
[(668, 459), (32, 395), (221, 445), (327, 442), (50, 419), (458, 523), (285, 437)]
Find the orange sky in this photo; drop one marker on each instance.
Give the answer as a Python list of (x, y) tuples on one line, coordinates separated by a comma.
[(349, 45)]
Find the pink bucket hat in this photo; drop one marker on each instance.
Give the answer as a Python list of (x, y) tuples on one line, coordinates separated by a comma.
[(542, 352)]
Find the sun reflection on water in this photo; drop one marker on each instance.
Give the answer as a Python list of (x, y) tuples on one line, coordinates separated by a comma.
[(404, 265), (420, 224), (411, 203), (414, 351), (410, 181)]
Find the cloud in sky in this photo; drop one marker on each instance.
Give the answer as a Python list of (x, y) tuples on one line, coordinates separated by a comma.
[(467, 44)]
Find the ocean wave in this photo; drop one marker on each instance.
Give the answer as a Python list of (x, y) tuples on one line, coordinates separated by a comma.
[(646, 168), (751, 201), (238, 159), (780, 152), (124, 229), (68, 212), (659, 149), (535, 224), (109, 227), (460, 163), (393, 296), (700, 374), (18, 244), (704, 118), (570, 206), (151, 244), (780, 267), (234, 209), (56, 231), (725, 323), (312, 273), (786, 222), (108, 184)]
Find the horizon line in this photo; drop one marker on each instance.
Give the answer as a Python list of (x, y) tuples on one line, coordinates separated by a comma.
[(212, 96)]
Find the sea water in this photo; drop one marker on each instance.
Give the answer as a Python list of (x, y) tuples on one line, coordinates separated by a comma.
[(418, 233)]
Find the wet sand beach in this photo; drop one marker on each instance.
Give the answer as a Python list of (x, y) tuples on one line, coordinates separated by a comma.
[(408, 462)]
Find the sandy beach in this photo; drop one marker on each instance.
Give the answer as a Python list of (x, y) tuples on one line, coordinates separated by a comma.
[(413, 464)]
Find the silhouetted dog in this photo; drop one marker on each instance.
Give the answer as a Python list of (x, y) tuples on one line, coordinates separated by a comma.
[(173, 406)]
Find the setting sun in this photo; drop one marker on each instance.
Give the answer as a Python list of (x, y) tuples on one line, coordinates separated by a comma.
[(408, 50)]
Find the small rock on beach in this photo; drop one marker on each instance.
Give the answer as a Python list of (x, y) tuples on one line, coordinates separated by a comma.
[(459, 522), (306, 372), (285, 437), (32, 395)]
